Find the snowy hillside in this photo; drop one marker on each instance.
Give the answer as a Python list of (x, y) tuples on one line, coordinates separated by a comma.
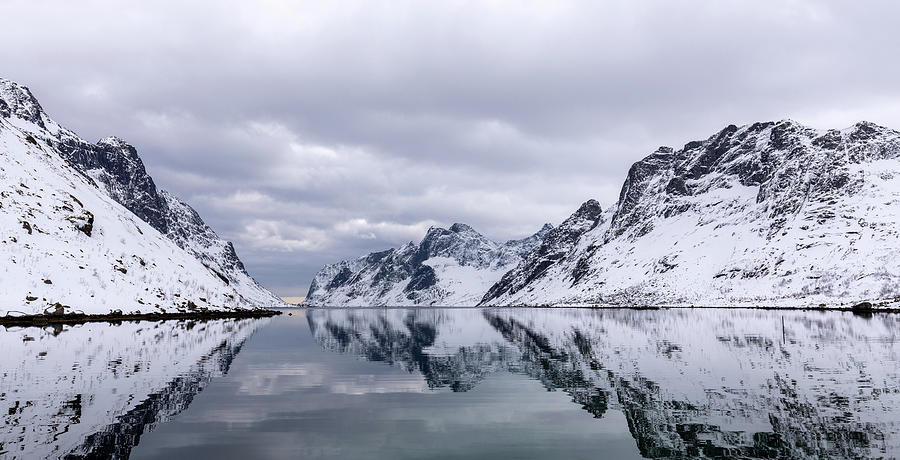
[(452, 266), (69, 245), (769, 214), (117, 168), (554, 247)]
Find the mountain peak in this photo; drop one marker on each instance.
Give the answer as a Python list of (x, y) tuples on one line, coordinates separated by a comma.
[(788, 121), (461, 228), (457, 229), (452, 266), (589, 207), (17, 100), (740, 218), (868, 130), (116, 170), (114, 141), (9, 88)]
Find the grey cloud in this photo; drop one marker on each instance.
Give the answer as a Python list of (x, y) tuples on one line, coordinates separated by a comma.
[(312, 131)]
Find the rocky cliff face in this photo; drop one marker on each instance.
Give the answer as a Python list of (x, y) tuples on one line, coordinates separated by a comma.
[(552, 250), (453, 266), (767, 214), (770, 214), (37, 151), (115, 165)]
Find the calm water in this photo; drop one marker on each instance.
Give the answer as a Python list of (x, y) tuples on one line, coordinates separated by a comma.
[(457, 383)]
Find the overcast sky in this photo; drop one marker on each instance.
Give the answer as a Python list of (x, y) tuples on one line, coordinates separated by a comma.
[(308, 132)]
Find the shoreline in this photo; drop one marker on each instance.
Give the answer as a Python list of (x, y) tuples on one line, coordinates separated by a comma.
[(853, 309), (43, 320)]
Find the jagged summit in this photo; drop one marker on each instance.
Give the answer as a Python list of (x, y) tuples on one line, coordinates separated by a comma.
[(17, 101), (452, 266), (767, 213), (114, 141), (461, 228), (764, 213), (552, 249)]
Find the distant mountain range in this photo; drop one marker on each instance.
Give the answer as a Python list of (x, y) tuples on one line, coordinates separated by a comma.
[(452, 266), (766, 214), (85, 229)]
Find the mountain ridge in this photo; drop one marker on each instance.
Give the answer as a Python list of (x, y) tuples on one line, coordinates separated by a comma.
[(764, 214), (116, 170), (449, 266)]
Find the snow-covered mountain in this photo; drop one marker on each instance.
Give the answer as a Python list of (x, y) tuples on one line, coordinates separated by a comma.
[(86, 229), (768, 214), (452, 266), (557, 243)]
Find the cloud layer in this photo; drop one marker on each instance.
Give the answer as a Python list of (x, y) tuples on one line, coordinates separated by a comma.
[(308, 132)]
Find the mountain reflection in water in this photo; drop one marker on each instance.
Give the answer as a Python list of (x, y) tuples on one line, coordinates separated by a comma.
[(714, 383), (457, 383), (92, 390)]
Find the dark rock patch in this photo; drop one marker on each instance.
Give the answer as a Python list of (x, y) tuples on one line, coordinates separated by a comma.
[(423, 278)]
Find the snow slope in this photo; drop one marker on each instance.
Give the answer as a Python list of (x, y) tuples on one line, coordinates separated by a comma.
[(116, 168), (452, 266), (768, 214), (69, 246)]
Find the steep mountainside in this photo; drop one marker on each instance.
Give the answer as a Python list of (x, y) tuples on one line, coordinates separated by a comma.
[(768, 214), (452, 266), (115, 167), (555, 246)]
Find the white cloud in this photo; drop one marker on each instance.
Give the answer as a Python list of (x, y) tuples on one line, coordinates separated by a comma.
[(273, 235), (330, 129), (389, 231)]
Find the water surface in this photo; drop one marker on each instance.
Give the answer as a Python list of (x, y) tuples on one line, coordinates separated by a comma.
[(459, 383)]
